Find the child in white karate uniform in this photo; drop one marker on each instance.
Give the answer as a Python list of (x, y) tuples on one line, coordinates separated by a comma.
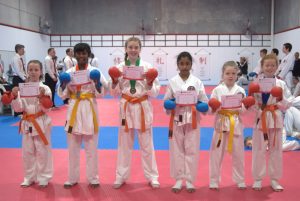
[(136, 113), (35, 126), (184, 122), (267, 132), (82, 118), (228, 133)]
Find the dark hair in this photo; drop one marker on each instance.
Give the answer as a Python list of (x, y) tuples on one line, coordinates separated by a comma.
[(68, 50), (18, 47), (50, 49), (185, 54), (288, 46), (39, 63), (92, 55), (275, 50), (129, 40), (265, 51), (81, 47)]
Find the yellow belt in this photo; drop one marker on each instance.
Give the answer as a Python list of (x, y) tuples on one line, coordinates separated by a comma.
[(79, 97), (229, 114)]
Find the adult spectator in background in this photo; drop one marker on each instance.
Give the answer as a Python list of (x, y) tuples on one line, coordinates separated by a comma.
[(94, 61), (275, 51), (286, 65), (51, 72), (69, 59), (19, 65), (257, 69), (2, 72), (296, 69)]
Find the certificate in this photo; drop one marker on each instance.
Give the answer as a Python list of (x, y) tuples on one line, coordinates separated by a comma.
[(266, 84), (29, 89), (133, 72), (185, 98), (80, 77), (231, 101)]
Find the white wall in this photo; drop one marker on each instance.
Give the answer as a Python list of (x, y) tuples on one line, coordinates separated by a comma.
[(36, 45), (218, 56), (287, 37)]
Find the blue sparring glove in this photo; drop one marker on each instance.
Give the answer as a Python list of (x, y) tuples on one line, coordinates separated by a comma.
[(202, 107), (64, 78), (252, 74), (170, 104), (95, 75)]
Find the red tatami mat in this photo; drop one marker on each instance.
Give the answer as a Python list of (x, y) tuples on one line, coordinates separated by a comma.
[(136, 189)]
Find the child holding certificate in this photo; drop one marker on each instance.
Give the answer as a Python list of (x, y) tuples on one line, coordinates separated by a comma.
[(226, 103), (85, 84), (184, 134), (271, 96), (33, 98), (135, 81)]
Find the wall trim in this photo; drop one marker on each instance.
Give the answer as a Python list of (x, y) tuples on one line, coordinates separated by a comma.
[(22, 28), (286, 30)]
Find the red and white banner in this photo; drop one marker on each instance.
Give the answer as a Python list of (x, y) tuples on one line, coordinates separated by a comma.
[(203, 65), (160, 62)]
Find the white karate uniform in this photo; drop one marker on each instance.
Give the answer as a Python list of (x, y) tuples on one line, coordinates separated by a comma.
[(274, 133), (292, 120), (296, 90), (94, 62), (83, 130), (217, 153), (69, 62), (133, 118), (19, 67), (286, 66), (37, 157), (185, 143), (289, 145), (257, 69)]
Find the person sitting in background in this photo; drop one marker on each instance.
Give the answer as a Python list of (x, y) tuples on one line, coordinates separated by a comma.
[(288, 143), (295, 90), (296, 69)]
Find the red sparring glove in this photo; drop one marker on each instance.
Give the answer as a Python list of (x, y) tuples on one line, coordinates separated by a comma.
[(7, 97), (46, 101), (248, 101), (214, 104), (114, 73), (253, 88), (277, 93), (151, 75)]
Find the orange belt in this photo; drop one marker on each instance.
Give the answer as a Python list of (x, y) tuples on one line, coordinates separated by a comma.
[(272, 109), (32, 119), (171, 123), (134, 100)]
